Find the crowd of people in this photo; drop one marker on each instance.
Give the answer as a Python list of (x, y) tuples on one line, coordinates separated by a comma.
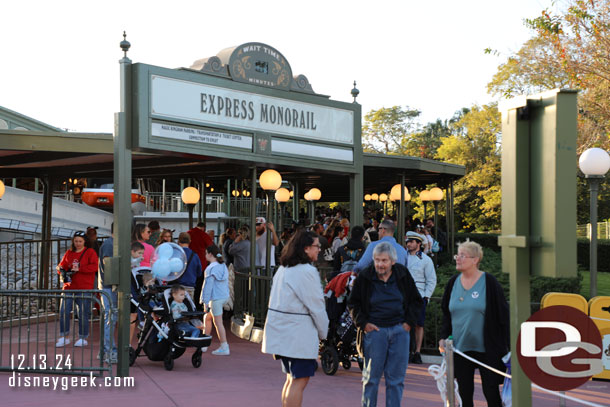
[(394, 278)]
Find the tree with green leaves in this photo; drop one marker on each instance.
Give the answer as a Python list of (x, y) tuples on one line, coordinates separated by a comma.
[(385, 129), (474, 143)]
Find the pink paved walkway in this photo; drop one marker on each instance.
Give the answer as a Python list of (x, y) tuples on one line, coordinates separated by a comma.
[(246, 378)]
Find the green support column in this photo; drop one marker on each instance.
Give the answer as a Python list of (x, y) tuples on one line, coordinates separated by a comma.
[(538, 204), (356, 193), (296, 200), (203, 204), (515, 233), (228, 211), (401, 211), (252, 239), (45, 250), (122, 210)]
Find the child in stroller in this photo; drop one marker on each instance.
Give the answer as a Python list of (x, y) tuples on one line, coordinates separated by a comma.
[(340, 344), (161, 337)]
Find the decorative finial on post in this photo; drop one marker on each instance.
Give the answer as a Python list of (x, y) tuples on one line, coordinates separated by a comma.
[(355, 92), (125, 45)]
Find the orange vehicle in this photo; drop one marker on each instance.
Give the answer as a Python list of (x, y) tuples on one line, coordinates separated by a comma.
[(103, 196)]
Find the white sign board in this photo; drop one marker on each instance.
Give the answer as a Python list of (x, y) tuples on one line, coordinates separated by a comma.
[(210, 105), (201, 136)]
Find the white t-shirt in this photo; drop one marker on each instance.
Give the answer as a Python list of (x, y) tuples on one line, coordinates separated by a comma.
[(261, 250)]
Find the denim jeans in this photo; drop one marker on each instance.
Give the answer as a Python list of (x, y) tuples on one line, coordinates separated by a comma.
[(83, 305), (385, 352), (189, 329), (110, 318)]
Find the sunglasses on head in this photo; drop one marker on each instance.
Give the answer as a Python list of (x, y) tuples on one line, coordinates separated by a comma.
[(80, 233)]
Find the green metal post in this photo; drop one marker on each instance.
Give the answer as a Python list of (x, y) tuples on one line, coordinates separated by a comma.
[(228, 211), (122, 210), (47, 216), (204, 204), (296, 199), (401, 211), (267, 234), (253, 250), (594, 181), (356, 197), (201, 183)]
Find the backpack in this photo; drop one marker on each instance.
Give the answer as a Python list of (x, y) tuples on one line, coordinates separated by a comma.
[(350, 263)]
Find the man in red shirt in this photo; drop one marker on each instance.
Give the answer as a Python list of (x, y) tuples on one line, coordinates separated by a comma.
[(200, 240)]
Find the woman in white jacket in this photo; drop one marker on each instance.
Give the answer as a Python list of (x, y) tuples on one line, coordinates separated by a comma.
[(296, 319)]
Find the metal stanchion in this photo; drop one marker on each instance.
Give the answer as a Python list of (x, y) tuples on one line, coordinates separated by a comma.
[(450, 377)]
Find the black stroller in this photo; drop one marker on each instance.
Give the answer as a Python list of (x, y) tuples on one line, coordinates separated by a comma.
[(160, 337), (340, 343)]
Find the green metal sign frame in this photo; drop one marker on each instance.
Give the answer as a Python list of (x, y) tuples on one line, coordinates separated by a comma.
[(261, 152)]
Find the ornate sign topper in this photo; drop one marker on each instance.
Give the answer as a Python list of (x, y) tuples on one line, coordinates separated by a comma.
[(260, 64)]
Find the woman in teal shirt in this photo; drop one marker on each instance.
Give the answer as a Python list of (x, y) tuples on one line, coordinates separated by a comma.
[(475, 314)]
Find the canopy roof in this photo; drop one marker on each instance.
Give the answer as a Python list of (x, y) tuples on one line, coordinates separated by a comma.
[(64, 154)]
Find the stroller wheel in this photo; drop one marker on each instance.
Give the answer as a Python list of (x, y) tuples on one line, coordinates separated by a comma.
[(132, 356), (330, 360), (168, 362), (196, 359), (346, 364)]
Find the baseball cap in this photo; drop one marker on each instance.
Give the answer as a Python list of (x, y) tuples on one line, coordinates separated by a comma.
[(260, 219)]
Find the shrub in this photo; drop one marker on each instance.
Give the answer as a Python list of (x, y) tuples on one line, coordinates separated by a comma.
[(603, 254)]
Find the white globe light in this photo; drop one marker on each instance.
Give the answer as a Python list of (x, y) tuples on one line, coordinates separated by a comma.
[(190, 195), (315, 194), (306, 196), (594, 161), (270, 180), (282, 195), (374, 197), (383, 197), (436, 194), (424, 195), (395, 193), (1, 189), (367, 197)]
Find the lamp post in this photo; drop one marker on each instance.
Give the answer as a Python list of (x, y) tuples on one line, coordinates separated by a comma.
[(436, 194), (312, 196), (383, 198), (269, 180), (425, 197), (190, 196), (594, 163), (282, 195)]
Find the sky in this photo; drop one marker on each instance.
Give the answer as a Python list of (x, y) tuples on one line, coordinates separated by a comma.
[(60, 58)]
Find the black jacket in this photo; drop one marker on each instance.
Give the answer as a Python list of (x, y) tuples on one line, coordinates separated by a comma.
[(496, 328), (359, 301)]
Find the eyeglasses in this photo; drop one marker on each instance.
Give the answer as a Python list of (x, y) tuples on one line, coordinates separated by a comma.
[(317, 245), (462, 257)]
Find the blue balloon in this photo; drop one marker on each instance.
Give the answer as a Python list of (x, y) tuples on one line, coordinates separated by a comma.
[(176, 265), (161, 268), (165, 251)]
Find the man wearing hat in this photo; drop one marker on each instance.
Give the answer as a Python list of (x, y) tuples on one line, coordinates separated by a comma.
[(261, 242), (422, 270)]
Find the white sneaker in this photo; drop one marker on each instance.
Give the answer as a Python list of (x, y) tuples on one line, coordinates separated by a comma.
[(222, 351), (62, 342), (80, 343)]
